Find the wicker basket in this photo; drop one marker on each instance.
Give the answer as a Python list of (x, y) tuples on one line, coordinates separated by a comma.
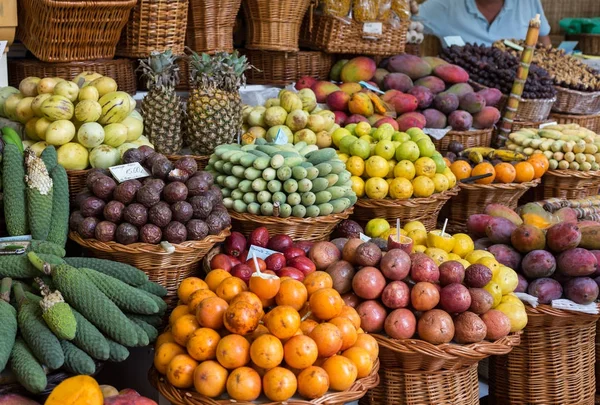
[(425, 210), (400, 387), (154, 25), (591, 122), (569, 184), (68, 31), (469, 139), (282, 68), (589, 44), (181, 397), (576, 102), (274, 25), (166, 269), (309, 229), (210, 25), (554, 363), (473, 198), (413, 49), (122, 70), (202, 161), (335, 35)]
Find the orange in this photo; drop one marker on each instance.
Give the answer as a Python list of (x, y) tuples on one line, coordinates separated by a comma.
[(368, 343), (241, 318), (361, 359), (316, 281), (313, 382), (183, 328), (233, 351), (266, 351), (308, 325), (250, 298), (197, 297), (461, 169), (180, 372), (165, 337), (484, 168), (525, 172), (164, 354), (188, 286), (447, 161), (300, 352), (210, 379), (540, 164), (283, 321), (326, 303), (505, 173), (177, 313), (258, 332), (328, 339), (279, 384), (265, 287), (230, 287), (293, 293), (351, 314), (214, 278), (210, 311), (342, 372), (347, 330), (202, 344), (243, 384)]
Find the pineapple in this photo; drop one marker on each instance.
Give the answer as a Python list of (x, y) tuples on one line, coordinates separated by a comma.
[(214, 109), (161, 108)]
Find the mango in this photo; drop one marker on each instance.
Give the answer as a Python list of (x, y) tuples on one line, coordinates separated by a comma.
[(577, 262), (338, 101), (460, 120), (305, 82), (350, 88), (566, 214), (538, 263), (590, 237), (336, 70), (411, 120), (387, 120), (358, 69), (581, 290), (472, 102), (380, 74), (355, 119), (499, 230), (322, 89), (360, 103), (374, 118), (340, 117), (527, 238), (76, 390), (403, 103), (460, 89), (434, 118), (397, 81), (14, 399), (434, 61), (491, 95), (446, 102), (563, 236), (412, 66), (424, 96), (499, 210), (486, 118), (506, 255), (451, 74)]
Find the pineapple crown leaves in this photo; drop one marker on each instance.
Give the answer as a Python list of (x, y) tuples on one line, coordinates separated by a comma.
[(222, 70), (160, 70)]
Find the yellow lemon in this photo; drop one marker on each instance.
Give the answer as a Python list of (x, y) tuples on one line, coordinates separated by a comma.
[(507, 279), (376, 188), (376, 227), (435, 239), (385, 149), (451, 177), (391, 166), (440, 182), (490, 263), (464, 263), (464, 244), (423, 186), (412, 225), (405, 169), (401, 189), (496, 292), (358, 186), (516, 314), (425, 167), (392, 231), (511, 298), (376, 166), (439, 256), (419, 248), (338, 134), (343, 157), (356, 166), (477, 254), (419, 236), (453, 256), (389, 181), (362, 129)]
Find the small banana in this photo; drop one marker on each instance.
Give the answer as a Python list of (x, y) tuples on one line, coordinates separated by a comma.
[(475, 156), (484, 151), (508, 155)]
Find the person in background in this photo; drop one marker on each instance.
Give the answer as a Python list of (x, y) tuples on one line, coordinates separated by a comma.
[(482, 21)]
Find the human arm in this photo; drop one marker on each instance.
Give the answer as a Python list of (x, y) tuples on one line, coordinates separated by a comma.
[(545, 40)]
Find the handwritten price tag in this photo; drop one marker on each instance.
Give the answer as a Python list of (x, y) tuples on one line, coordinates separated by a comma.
[(128, 171), (374, 28), (260, 252), (436, 133), (364, 237)]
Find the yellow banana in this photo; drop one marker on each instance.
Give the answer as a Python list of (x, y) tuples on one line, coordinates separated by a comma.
[(508, 155), (484, 151), (475, 156)]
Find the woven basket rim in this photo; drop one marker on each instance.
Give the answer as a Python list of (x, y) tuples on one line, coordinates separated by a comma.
[(332, 218), (411, 202), (196, 157), (591, 94), (548, 310), (355, 392), (556, 114), (35, 61), (573, 173), (499, 186), (189, 246), (451, 351), (522, 100), (471, 132)]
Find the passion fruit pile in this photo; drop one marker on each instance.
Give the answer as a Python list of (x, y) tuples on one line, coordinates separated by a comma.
[(176, 203), (271, 335)]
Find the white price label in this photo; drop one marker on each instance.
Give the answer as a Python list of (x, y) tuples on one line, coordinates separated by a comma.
[(3, 45), (259, 252), (547, 124), (454, 40), (437, 133), (513, 45), (364, 237), (568, 305), (281, 138), (370, 87), (375, 28), (128, 171)]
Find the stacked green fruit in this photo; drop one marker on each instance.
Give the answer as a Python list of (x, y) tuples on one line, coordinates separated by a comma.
[(282, 180)]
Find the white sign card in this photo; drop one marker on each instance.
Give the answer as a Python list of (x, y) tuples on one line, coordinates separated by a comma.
[(364, 237), (374, 28), (128, 171), (260, 252)]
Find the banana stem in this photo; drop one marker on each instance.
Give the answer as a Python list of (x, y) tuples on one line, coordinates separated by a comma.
[(39, 264), (5, 289)]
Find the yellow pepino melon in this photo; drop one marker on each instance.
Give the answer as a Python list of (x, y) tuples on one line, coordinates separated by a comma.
[(57, 108), (115, 107)]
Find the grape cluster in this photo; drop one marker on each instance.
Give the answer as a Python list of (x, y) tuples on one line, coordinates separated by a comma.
[(493, 67)]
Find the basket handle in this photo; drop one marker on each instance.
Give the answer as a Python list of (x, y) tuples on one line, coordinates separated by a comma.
[(311, 8)]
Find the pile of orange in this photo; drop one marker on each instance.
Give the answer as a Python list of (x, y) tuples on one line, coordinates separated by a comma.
[(221, 340), (521, 172)]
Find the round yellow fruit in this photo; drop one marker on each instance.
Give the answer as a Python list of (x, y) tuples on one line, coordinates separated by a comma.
[(401, 189), (451, 177), (73, 156), (391, 166), (412, 225), (405, 169), (39, 147), (435, 239), (376, 188), (425, 166), (507, 279), (496, 292), (475, 255), (464, 244), (385, 149), (338, 134), (89, 93), (376, 166), (423, 186), (358, 186), (516, 314), (343, 157), (419, 236), (392, 231), (440, 183), (439, 256), (376, 227), (490, 263), (453, 256), (362, 128), (511, 298), (464, 263), (60, 132), (355, 165), (419, 248)]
